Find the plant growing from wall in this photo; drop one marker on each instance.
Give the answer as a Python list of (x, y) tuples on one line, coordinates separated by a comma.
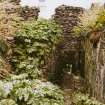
[(92, 21), (33, 43)]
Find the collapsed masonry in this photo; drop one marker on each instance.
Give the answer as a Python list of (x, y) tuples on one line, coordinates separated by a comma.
[(27, 13), (68, 17)]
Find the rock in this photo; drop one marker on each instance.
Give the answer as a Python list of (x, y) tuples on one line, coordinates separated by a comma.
[(16, 2), (67, 17), (29, 13)]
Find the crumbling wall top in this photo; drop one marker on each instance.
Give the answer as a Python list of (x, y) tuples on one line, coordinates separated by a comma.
[(68, 17)]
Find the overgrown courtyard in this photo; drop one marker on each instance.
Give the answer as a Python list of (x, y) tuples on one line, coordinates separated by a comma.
[(57, 61)]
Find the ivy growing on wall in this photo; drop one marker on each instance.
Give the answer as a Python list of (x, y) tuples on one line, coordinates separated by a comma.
[(34, 41)]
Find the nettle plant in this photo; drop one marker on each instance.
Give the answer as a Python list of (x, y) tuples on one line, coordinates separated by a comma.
[(82, 99), (18, 90), (33, 43)]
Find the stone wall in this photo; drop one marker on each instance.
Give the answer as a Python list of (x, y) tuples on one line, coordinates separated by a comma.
[(68, 51), (29, 13), (95, 67), (90, 64), (15, 2), (67, 17)]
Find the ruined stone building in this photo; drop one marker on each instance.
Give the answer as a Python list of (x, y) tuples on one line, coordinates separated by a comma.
[(69, 54), (86, 57)]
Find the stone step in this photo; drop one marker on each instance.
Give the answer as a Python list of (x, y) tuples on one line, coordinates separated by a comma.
[(68, 96)]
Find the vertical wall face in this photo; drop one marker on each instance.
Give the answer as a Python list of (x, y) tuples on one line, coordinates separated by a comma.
[(90, 64), (68, 17), (100, 69), (95, 68), (29, 13), (13, 7), (68, 52)]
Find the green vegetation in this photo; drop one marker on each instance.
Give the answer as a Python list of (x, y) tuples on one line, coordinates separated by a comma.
[(18, 90), (91, 21), (33, 43), (81, 99), (25, 48)]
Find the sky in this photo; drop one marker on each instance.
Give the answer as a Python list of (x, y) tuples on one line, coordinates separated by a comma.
[(47, 7)]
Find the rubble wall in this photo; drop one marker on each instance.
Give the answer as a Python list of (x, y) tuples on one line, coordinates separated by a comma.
[(67, 17), (68, 51), (28, 13), (95, 68)]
